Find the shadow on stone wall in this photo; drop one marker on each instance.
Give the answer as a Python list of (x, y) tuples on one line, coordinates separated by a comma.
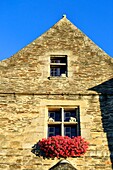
[(61, 165), (105, 91)]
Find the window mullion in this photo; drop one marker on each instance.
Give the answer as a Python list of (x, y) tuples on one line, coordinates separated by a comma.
[(77, 117), (62, 128)]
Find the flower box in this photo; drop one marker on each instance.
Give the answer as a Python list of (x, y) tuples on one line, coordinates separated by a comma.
[(61, 147)]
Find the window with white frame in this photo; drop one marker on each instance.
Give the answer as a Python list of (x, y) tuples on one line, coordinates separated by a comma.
[(63, 121), (58, 66)]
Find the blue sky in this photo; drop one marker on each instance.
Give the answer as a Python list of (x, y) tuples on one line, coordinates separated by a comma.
[(22, 21)]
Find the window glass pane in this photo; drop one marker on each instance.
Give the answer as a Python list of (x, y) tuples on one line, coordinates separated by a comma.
[(50, 135), (73, 129), (56, 115), (73, 114), (52, 115), (63, 70), (58, 72), (55, 60), (67, 129), (58, 130), (70, 130), (69, 114), (54, 130), (51, 129), (55, 71)]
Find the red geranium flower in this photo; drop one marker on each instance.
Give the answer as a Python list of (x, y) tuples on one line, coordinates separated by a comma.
[(59, 146)]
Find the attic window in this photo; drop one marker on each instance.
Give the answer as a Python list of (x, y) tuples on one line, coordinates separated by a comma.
[(58, 66)]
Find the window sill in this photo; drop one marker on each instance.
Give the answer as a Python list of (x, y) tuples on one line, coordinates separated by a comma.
[(56, 78), (51, 123), (65, 123)]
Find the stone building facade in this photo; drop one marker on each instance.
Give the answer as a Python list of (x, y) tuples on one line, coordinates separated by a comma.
[(61, 70)]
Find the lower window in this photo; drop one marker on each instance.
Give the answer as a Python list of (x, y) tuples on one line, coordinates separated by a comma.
[(64, 121)]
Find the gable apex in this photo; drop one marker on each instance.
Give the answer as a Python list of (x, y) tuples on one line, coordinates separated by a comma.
[(64, 15), (62, 37)]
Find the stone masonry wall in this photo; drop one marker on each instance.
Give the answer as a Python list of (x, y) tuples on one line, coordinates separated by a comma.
[(24, 121)]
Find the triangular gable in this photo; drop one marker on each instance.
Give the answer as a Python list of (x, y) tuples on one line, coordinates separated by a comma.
[(27, 70), (65, 34)]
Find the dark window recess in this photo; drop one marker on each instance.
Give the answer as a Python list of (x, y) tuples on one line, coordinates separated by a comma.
[(70, 130), (54, 130), (58, 66), (69, 114), (56, 115)]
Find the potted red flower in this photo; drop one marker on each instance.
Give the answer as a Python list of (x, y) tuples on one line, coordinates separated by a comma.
[(61, 147)]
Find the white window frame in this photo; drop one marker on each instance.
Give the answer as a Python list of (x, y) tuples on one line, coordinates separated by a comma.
[(63, 122)]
